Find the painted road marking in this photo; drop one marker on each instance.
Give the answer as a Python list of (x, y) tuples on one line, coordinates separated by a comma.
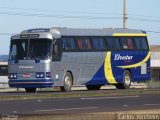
[(115, 97), (151, 104), (67, 109), (125, 105)]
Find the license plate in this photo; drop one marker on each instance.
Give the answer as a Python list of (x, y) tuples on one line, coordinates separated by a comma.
[(26, 75)]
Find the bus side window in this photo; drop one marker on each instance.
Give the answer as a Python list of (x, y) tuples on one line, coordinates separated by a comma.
[(14, 52), (88, 43), (65, 44), (98, 43), (124, 43), (141, 43), (113, 43), (73, 44), (84, 43), (130, 44), (79, 41), (57, 51), (69, 43), (127, 43)]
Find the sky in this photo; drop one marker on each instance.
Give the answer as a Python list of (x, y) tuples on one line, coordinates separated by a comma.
[(18, 15)]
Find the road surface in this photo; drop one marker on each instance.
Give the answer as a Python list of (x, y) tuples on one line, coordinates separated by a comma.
[(80, 105)]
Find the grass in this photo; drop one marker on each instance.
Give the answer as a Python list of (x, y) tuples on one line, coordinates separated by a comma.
[(153, 84)]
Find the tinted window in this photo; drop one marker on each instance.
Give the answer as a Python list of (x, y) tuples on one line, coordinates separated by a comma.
[(98, 43), (39, 48), (83, 43), (141, 43), (18, 49), (69, 43), (30, 49), (113, 43), (127, 43), (57, 50), (3, 70)]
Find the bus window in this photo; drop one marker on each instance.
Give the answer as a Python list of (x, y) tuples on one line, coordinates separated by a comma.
[(57, 50), (79, 41), (3, 70), (141, 43), (73, 44), (127, 43), (98, 43), (13, 53), (84, 43), (69, 43), (113, 43), (18, 50), (45, 49), (130, 44)]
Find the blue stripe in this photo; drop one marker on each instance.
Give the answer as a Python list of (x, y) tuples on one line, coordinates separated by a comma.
[(98, 78)]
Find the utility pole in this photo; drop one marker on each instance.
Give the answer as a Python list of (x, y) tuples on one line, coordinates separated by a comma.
[(124, 14)]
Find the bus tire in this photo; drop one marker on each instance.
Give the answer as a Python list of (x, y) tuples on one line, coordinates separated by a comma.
[(126, 81), (68, 80), (30, 90), (93, 87)]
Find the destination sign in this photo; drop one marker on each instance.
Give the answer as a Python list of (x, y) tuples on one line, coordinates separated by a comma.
[(38, 30), (29, 36)]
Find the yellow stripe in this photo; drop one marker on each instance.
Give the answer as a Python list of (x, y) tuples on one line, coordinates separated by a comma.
[(108, 69), (129, 34), (137, 64)]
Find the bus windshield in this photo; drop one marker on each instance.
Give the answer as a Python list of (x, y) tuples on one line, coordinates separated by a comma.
[(30, 49)]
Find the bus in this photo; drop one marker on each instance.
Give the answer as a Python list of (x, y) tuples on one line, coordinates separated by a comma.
[(67, 57), (3, 74), (3, 71)]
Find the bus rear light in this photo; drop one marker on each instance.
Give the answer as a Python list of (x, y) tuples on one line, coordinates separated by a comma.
[(13, 75), (40, 75), (48, 74)]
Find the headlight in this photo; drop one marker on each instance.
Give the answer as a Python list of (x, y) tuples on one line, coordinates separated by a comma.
[(13, 75), (40, 75)]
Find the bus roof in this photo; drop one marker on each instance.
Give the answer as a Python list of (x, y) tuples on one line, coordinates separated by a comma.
[(95, 32), (56, 32)]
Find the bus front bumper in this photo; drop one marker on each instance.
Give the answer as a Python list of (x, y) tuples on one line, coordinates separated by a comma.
[(40, 83)]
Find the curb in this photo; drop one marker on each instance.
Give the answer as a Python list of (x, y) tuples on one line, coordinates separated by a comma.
[(152, 114)]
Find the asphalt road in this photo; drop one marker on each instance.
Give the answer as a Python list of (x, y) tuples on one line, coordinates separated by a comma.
[(80, 105)]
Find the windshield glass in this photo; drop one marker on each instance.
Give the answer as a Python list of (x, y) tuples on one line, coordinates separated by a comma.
[(30, 49)]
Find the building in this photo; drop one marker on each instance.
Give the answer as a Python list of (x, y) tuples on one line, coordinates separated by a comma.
[(155, 62), (3, 69)]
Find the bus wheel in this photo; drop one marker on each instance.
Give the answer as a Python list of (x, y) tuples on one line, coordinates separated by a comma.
[(93, 87), (67, 82), (30, 90), (126, 81)]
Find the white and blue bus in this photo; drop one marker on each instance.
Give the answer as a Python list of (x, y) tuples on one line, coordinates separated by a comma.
[(67, 57)]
